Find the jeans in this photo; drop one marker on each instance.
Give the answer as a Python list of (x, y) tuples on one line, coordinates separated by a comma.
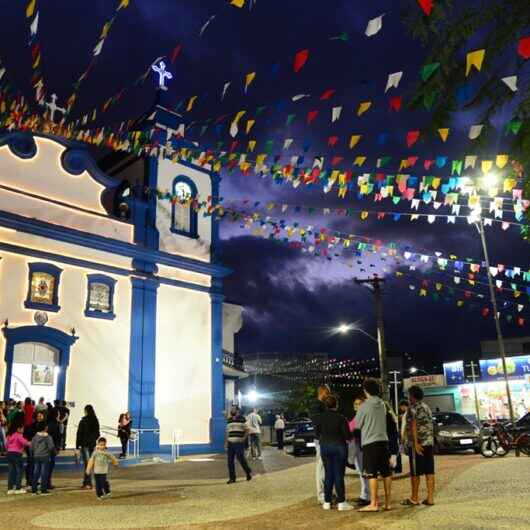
[(29, 467), (255, 445), (279, 437), (86, 452), (15, 465), (50, 469), (319, 473), (41, 470), (3, 438), (334, 458), (102, 484), (237, 450), (124, 439), (358, 461)]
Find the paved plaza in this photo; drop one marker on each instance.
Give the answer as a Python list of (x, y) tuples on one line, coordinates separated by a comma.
[(472, 492)]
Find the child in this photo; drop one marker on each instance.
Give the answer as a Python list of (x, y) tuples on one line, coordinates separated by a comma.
[(99, 463), (15, 445), (43, 448)]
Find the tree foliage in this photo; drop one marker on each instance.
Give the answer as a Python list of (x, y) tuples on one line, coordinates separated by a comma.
[(448, 34)]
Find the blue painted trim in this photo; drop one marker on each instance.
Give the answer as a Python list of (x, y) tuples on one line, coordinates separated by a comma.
[(193, 231), (152, 235), (20, 144), (217, 420), (50, 336), (110, 283), (54, 271), (216, 238), (142, 359), (96, 266), (192, 449), (113, 246)]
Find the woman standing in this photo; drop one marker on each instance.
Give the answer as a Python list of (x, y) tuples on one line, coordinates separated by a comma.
[(334, 435), (124, 432), (317, 407), (86, 439)]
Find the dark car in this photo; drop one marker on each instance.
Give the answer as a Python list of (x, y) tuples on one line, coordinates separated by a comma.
[(453, 432), (304, 439), (291, 427)]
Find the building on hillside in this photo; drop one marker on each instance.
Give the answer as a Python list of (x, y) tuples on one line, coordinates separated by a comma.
[(110, 297)]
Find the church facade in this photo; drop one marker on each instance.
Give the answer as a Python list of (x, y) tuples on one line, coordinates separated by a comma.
[(108, 295)]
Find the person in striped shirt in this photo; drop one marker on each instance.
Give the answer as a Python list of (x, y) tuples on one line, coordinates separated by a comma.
[(236, 434)]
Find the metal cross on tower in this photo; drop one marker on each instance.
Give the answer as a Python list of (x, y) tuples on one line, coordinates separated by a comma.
[(54, 107), (163, 74)]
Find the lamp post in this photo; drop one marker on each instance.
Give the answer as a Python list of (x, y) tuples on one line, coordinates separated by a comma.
[(395, 382)]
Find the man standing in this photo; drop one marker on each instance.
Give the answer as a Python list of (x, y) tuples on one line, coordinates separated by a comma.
[(420, 436), (371, 421), (236, 434), (279, 427), (254, 428)]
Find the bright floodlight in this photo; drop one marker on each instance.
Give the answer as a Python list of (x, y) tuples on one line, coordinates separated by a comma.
[(343, 328), (491, 180), (252, 396), (413, 370)]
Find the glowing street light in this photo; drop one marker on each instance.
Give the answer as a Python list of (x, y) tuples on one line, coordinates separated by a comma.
[(345, 328), (252, 396)]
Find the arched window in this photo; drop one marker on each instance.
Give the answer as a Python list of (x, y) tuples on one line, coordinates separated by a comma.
[(43, 287), (183, 216), (100, 296)]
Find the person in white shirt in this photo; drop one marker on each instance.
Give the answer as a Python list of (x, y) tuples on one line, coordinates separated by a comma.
[(279, 427), (254, 429)]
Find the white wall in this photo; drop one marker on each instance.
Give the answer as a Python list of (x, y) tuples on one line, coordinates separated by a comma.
[(99, 361), (183, 364), (232, 323), (173, 243)]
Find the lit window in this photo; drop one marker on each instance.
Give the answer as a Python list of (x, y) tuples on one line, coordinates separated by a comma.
[(43, 287), (183, 216), (100, 297)]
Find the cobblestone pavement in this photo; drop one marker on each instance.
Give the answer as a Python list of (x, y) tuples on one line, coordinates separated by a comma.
[(472, 492)]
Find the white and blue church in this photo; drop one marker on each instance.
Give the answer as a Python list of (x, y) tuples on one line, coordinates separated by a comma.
[(111, 297)]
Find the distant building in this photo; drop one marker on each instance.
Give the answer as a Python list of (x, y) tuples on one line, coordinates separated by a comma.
[(513, 346)]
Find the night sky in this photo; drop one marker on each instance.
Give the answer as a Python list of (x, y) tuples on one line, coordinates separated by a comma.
[(291, 299)]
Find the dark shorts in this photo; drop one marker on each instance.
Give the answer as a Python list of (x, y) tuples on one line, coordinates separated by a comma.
[(422, 464), (376, 460)]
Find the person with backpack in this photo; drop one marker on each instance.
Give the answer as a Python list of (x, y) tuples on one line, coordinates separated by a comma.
[(86, 440)]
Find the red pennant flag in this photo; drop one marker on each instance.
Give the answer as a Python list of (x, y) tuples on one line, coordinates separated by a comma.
[(426, 6), (336, 160), (520, 321), (411, 161), (395, 103), (176, 52), (485, 312), (412, 138), (523, 49), (327, 94), (332, 141), (233, 145), (311, 115), (300, 59), (427, 164), (380, 177), (380, 215)]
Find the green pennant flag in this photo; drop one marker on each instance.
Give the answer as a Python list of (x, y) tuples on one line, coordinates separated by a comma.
[(220, 145), (396, 200), (384, 161), (428, 70), (268, 146), (389, 180), (457, 167), (514, 127), (204, 128), (343, 37), (430, 99), (290, 119), (259, 110), (509, 318)]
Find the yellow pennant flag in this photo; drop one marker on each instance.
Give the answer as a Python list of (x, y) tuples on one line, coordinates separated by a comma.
[(250, 124), (436, 182), (248, 79), (460, 303), (363, 107), (123, 5), (364, 215), (508, 185), (438, 286), (37, 61), (105, 30), (237, 3), (354, 140), (260, 159), (404, 164), (474, 59), (251, 146), (359, 161), (30, 9), (501, 161), (423, 292), (444, 133), (486, 166), (191, 102)]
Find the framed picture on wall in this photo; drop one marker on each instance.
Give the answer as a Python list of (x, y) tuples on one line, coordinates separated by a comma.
[(42, 375)]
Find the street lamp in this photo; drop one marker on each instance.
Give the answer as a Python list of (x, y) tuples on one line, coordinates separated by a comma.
[(345, 328), (490, 180), (414, 370)]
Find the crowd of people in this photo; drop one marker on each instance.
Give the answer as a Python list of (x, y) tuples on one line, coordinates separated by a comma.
[(38, 432)]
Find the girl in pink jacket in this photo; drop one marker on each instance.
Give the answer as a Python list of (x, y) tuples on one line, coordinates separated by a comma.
[(15, 445)]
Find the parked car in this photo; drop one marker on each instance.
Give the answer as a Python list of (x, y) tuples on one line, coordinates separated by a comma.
[(453, 432), (304, 439), (291, 427)]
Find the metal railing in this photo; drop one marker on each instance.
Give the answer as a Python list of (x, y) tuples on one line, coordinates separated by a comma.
[(176, 437)]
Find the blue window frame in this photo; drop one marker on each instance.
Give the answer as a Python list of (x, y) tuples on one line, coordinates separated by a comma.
[(100, 296), (183, 216), (43, 287)]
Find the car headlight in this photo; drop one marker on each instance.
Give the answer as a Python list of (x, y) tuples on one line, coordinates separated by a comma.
[(445, 434)]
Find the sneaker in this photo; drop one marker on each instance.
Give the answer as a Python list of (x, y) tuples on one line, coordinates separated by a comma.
[(10, 492), (34, 494), (45, 493), (108, 495), (20, 491), (249, 477), (231, 481), (121, 457), (326, 505), (362, 502), (100, 498), (344, 506)]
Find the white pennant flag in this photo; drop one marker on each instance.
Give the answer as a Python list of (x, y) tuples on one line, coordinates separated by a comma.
[(374, 26), (284, 207), (35, 24), (488, 221), (415, 204), (393, 80), (287, 143), (505, 225), (225, 88), (431, 218), (470, 161), (98, 47), (456, 279), (520, 307), (300, 96), (510, 82), (474, 131), (414, 217), (436, 205), (455, 209), (2, 72), (335, 114), (494, 271), (451, 219)]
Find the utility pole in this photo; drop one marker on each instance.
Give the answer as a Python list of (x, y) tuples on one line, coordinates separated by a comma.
[(376, 283), (395, 382), (475, 376)]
